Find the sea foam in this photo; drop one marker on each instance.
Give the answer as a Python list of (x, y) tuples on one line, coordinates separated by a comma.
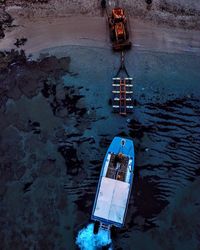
[(86, 240)]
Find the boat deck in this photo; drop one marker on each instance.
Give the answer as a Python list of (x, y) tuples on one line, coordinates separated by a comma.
[(111, 201), (113, 172)]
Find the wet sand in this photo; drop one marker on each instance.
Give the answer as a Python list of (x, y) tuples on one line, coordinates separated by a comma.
[(45, 33)]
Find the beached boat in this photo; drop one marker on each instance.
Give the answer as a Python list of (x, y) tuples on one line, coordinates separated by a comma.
[(114, 187)]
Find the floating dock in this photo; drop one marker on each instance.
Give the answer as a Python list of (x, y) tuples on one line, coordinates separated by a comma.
[(122, 95), (122, 90)]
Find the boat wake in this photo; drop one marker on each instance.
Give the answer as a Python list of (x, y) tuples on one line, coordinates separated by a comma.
[(87, 240)]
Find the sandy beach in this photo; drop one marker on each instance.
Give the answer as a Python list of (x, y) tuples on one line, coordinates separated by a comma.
[(42, 33)]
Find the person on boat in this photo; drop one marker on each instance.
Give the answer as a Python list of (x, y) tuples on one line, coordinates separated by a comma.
[(103, 4), (117, 165), (118, 159)]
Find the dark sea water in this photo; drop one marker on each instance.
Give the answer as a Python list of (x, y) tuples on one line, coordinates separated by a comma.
[(51, 201)]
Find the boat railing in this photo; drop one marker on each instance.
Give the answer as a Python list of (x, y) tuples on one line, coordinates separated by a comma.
[(106, 164), (129, 171)]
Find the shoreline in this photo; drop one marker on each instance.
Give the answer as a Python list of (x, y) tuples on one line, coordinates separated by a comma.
[(46, 33)]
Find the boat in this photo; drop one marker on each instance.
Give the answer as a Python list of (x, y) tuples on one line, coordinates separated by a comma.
[(114, 186)]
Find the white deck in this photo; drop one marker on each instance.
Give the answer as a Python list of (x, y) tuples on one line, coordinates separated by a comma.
[(112, 200)]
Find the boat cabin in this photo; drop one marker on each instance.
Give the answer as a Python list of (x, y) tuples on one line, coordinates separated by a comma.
[(118, 167)]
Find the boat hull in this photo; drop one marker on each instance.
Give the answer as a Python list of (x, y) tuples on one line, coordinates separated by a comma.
[(115, 184)]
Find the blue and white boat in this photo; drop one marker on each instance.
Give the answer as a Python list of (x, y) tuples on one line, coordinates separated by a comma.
[(114, 187)]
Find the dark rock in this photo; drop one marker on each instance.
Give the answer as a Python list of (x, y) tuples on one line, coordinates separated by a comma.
[(27, 186), (62, 203), (20, 171), (33, 75), (73, 164), (6, 172), (48, 166), (148, 1), (20, 42), (5, 21), (3, 190)]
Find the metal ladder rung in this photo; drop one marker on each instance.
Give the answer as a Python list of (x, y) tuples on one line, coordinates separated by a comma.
[(117, 92), (117, 99), (118, 85)]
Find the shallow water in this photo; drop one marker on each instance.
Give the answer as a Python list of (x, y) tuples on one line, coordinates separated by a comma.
[(165, 204)]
